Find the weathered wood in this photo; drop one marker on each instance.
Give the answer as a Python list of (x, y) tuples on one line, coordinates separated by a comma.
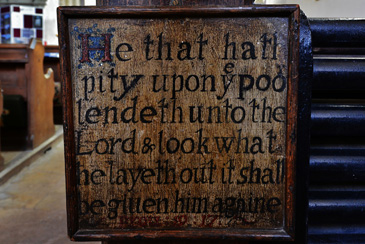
[(21, 72), (173, 2), (174, 242), (1, 112), (13, 59), (303, 135), (180, 122), (41, 93)]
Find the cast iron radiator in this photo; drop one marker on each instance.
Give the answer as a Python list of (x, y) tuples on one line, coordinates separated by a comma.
[(337, 158)]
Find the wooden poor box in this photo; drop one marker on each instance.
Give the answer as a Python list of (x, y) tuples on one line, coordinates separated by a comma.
[(180, 122)]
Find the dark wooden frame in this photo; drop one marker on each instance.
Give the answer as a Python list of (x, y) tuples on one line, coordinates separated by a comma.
[(288, 11)]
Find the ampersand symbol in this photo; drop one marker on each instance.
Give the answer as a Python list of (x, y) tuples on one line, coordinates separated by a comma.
[(147, 146)]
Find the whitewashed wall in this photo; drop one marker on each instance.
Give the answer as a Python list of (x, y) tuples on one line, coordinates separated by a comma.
[(50, 22), (50, 18)]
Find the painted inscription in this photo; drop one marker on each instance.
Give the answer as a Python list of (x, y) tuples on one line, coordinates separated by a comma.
[(180, 123)]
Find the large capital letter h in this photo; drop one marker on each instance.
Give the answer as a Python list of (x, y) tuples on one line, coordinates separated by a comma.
[(86, 48)]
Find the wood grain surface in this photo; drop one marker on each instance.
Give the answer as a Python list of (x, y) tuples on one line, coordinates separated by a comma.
[(177, 123), (173, 2)]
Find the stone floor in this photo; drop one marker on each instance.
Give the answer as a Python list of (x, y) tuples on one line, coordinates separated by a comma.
[(32, 203)]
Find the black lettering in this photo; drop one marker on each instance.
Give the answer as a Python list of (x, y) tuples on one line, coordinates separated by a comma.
[(124, 51)]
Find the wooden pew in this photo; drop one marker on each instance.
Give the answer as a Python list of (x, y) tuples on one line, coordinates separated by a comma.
[(21, 73), (52, 60)]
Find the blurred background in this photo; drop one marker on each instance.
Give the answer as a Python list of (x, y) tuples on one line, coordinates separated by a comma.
[(312, 8)]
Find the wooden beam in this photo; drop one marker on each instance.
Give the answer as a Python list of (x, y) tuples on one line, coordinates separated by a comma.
[(173, 2)]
